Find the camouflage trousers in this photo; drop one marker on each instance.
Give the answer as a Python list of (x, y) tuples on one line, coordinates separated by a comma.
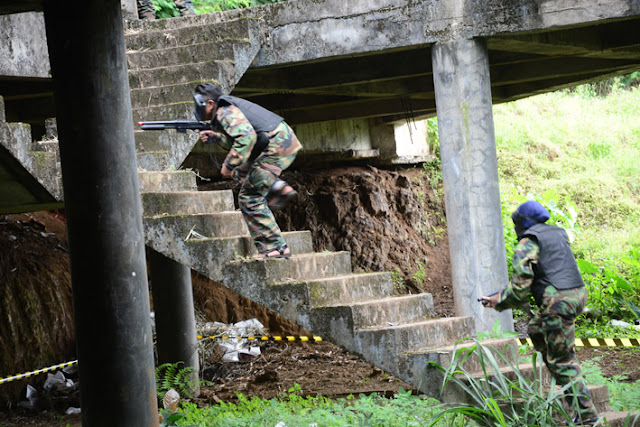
[(257, 178), (146, 10), (552, 331)]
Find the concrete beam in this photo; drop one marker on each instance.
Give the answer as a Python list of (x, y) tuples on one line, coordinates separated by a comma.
[(23, 46), (306, 31)]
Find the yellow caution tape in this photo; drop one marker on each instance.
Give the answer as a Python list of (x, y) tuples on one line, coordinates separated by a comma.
[(261, 338), (596, 342), (39, 371)]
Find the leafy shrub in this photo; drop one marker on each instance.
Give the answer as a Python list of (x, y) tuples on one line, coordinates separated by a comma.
[(611, 294), (293, 409)]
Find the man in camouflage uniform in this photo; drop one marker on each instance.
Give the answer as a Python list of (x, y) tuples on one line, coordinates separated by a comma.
[(261, 145), (545, 268), (146, 10)]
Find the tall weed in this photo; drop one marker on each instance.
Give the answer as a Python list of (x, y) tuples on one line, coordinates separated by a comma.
[(496, 399)]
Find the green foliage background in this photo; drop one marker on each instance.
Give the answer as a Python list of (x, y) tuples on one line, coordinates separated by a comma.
[(578, 152), (167, 8)]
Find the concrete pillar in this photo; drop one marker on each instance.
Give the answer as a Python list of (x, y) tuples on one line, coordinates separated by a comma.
[(129, 9), (470, 176), (104, 213), (175, 317)]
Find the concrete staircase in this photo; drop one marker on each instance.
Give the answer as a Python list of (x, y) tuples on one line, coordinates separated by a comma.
[(203, 230), (39, 159), (189, 52)]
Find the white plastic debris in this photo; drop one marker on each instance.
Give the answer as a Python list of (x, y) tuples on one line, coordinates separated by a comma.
[(194, 235), (624, 324), (57, 381), (237, 349), (32, 398), (170, 400), (71, 410)]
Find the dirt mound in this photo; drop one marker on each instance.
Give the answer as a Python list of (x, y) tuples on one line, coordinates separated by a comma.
[(36, 319)]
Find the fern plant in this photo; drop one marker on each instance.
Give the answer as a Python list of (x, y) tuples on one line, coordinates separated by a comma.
[(175, 376)]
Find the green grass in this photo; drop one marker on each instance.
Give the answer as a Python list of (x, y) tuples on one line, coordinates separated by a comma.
[(583, 147), (404, 409)]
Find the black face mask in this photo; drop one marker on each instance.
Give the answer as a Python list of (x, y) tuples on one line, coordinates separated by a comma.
[(518, 221), (199, 107)]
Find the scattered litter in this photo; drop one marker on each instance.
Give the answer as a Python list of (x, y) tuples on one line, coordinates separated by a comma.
[(393, 323), (71, 410), (624, 324), (57, 382), (56, 386), (236, 349), (32, 398), (170, 400), (194, 235)]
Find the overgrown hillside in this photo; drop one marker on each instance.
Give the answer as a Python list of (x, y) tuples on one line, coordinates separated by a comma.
[(579, 147), (578, 153)]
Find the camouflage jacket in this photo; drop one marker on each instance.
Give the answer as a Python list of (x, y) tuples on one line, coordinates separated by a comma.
[(237, 136), (525, 254)]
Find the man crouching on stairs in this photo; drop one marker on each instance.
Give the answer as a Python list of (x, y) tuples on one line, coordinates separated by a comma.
[(261, 145), (544, 267)]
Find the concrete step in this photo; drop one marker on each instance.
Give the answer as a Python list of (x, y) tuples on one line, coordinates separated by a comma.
[(156, 161), (213, 225), (171, 93), (250, 277), (187, 202), (167, 181), (164, 38), (162, 140), (295, 300), (183, 54), (389, 311), (383, 345), (621, 418), (345, 289), (176, 111), (503, 350), (49, 146), (208, 256), (181, 74)]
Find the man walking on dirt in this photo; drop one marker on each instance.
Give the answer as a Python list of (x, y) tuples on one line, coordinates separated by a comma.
[(545, 268), (261, 145)]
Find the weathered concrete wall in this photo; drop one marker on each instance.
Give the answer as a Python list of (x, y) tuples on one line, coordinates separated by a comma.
[(23, 46), (332, 136)]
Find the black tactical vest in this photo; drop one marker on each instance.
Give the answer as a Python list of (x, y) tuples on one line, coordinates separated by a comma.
[(556, 264), (260, 118)]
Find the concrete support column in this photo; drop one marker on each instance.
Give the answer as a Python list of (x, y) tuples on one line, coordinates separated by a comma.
[(175, 317), (129, 9), (104, 213), (470, 176)]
